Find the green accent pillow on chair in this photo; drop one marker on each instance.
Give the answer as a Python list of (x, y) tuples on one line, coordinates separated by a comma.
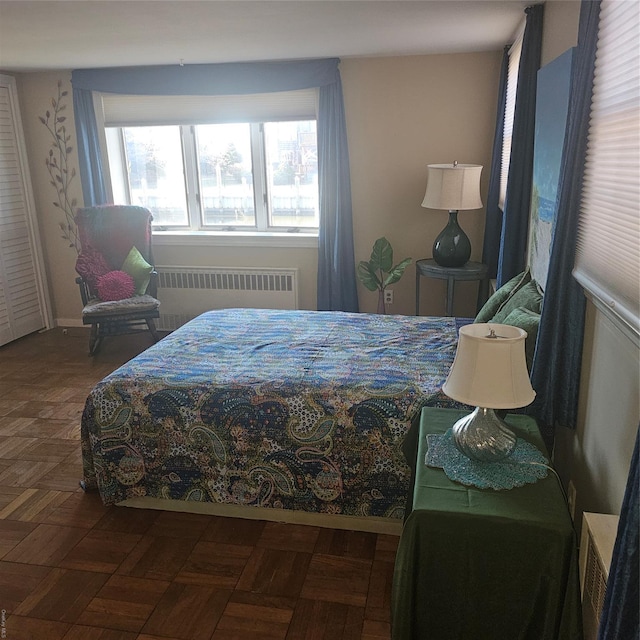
[(493, 304), (530, 322), (528, 297), (139, 269)]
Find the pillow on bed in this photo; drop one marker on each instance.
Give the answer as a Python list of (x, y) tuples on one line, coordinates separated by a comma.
[(530, 322), (527, 297), (493, 304), (139, 269)]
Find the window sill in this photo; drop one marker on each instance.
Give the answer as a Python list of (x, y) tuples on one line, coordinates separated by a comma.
[(236, 239)]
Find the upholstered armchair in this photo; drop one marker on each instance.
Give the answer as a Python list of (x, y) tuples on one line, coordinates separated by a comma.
[(117, 279)]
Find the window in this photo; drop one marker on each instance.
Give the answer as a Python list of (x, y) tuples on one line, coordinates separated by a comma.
[(509, 110), (608, 252), (154, 172), (201, 164)]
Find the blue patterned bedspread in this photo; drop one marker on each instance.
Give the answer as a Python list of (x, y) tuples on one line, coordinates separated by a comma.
[(300, 410)]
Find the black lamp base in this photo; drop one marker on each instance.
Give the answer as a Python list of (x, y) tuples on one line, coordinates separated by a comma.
[(452, 247)]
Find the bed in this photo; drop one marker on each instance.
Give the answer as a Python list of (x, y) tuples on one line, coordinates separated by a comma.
[(276, 413)]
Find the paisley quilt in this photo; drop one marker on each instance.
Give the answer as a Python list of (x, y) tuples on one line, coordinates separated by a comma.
[(300, 410)]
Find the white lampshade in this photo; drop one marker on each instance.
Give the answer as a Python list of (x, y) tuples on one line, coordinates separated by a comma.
[(489, 371), (453, 187)]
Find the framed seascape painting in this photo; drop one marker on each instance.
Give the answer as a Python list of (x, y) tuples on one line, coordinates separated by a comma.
[(552, 105)]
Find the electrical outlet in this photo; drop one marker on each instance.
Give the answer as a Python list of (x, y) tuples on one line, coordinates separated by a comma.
[(388, 296), (571, 499)]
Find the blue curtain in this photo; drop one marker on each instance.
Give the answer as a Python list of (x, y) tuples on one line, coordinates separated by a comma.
[(493, 222), (515, 223), (91, 175), (336, 264), (336, 258), (555, 374), (619, 617)]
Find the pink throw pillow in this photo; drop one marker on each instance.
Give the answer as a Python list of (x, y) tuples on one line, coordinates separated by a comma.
[(91, 264), (115, 285)]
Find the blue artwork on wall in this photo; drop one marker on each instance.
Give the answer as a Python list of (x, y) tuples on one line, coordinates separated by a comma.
[(552, 105)]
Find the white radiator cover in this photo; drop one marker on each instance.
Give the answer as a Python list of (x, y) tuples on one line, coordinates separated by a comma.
[(596, 549), (186, 292)]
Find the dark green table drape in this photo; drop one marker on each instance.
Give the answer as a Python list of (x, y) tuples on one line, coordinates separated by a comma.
[(478, 564)]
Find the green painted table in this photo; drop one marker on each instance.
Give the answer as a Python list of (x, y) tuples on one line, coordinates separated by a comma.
[(476, 564)]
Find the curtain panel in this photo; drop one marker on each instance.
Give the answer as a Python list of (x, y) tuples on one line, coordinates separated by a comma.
[(336, 258), (493, 221), (94, 190), (515, 222), (555, 374), (620, 616)]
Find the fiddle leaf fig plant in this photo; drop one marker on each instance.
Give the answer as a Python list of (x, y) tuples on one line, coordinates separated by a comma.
[(378, 273)]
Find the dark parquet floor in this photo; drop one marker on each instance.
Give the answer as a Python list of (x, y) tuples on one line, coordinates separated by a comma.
[(73, 569)]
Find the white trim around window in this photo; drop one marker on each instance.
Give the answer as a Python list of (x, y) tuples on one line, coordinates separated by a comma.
[(271, 240), (270, 222)]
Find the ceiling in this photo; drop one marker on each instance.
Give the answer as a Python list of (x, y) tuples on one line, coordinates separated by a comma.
[(74, 34)]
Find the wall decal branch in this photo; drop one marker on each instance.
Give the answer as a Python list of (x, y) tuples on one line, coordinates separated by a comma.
[(57, 163)]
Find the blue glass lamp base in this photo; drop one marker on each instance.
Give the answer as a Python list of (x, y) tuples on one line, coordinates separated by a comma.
[(452, 247)]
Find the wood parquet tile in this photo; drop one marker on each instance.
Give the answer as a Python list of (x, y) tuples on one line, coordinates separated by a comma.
[(188, 611), (156, 558), (73, 569), (33, 505), (62, 596), (274, 572)]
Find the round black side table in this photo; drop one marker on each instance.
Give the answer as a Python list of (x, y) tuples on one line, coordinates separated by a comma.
[(471, 271)]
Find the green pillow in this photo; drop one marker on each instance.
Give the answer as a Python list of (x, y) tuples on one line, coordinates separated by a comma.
[(528, 297), (139, 269), (493, 304), (529, 321)]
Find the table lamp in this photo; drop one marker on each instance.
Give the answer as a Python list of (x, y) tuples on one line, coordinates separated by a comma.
[(489, 372), (454, 187)]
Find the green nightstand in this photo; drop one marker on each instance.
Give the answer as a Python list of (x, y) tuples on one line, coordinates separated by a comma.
[(484, 564)]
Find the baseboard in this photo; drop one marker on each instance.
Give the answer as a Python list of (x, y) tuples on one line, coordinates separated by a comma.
[(69, 322)]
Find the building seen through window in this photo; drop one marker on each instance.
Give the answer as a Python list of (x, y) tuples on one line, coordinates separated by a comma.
[(229, 176)]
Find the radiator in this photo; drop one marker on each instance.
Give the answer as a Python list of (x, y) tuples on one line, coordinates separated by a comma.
[(186, 292), (596, 548)]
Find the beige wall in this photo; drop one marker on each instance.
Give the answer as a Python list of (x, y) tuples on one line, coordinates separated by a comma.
[(596, 456), (402, 113), (35, 93), (560, 28)]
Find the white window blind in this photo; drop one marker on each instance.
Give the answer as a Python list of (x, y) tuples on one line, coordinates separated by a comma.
[(608, 249), (509, 110), (134, 110)]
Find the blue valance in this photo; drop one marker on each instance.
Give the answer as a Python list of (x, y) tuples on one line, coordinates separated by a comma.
[(233, 78)]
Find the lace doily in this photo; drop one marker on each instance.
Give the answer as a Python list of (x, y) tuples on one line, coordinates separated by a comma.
[(525, 465)]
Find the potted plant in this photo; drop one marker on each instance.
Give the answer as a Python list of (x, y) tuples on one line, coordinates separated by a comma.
[(378, 273)]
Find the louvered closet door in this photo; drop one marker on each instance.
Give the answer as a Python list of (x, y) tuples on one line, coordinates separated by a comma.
[(20, 303)]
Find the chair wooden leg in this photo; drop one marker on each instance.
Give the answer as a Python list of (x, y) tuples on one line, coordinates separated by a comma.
[(94, 340), (152, 328)]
